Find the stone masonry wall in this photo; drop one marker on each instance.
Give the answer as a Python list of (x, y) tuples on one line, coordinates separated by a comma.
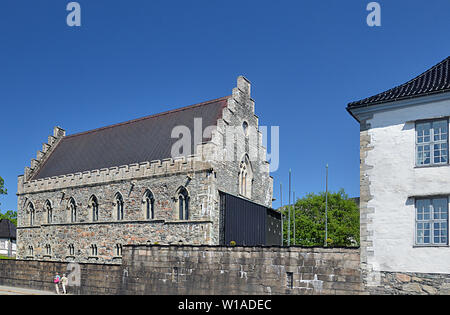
[(201, 270), (366, 212), (230, 144), (107, 231), (95, 278), (198, 270), (396, 283)]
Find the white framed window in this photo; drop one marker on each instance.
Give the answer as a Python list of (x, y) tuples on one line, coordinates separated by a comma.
[(432, 221), (432, 142)]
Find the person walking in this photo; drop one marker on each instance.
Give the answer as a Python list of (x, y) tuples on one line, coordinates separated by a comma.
[(64, 282), (56, 281)]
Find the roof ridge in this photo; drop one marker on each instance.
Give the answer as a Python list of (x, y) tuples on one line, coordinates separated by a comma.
[(149, 117)]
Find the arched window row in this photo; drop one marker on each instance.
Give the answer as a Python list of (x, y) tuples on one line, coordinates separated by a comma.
[(148, 206), (93, 250)]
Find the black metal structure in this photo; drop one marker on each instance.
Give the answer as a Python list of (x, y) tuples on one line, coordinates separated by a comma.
[(247, 223)]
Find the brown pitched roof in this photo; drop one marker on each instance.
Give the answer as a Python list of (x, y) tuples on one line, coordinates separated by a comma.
[(433, 81), (135, 141)]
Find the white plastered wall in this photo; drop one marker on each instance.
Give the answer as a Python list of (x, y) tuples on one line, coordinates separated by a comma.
[(394, 179)]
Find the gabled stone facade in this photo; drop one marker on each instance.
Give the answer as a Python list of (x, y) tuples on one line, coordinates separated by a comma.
[(47, 206)]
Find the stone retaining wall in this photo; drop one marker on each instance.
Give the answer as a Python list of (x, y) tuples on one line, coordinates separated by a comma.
[(197, 270), (395, 283), (94, 278)]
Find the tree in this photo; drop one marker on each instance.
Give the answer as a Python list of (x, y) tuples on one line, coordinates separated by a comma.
[(343, 220), (10, 215), (3, 190)]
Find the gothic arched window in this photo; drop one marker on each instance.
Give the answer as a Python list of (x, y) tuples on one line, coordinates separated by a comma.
[(73, 210), (31, 213), (119, 206), (71, 250), (183, 204), (93, 250), (93, 204), (30, 250), (48, 250), (118, 250), (245, 177), (49, 210), (149, 205)]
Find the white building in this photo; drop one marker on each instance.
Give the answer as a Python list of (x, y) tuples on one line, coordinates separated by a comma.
[(405, 185), (7, 238)]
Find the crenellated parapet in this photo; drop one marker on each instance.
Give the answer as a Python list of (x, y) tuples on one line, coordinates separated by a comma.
[(41, 156), (190, 164)]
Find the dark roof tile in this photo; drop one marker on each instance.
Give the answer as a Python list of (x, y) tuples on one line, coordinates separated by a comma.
[(141, 140), (434, 80)]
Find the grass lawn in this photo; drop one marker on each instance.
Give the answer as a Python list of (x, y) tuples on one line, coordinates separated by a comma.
[(6, 257)]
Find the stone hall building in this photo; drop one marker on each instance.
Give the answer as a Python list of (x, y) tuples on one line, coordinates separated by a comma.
[(143, 181), (405, 184)]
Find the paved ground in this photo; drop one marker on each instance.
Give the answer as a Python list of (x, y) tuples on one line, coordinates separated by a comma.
[(20, 291)]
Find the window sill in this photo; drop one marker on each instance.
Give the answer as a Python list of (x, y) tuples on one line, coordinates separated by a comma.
[(92, 258), (431, 246), (430, 166)]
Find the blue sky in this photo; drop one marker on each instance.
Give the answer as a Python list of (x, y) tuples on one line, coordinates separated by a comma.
[(306, 61)]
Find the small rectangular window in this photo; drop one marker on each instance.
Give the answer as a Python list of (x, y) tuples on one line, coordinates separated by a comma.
[(432, 221), (175, 274), (290, 280), (432, 143)]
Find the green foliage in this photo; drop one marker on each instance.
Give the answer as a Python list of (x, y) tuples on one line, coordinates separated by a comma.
[(10, 215), (3, 190), (6, 257), (343, 221)]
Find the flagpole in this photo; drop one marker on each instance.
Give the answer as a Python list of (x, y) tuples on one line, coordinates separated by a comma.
[(282, 215), (294, 216), (326, 210), (289, 209)]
